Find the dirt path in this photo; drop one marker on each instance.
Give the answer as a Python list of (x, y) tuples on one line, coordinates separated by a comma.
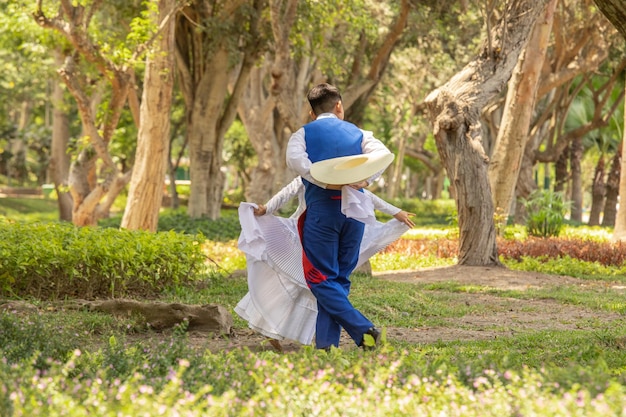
[(497, 317)]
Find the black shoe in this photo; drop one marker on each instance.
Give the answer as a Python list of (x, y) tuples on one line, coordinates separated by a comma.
[(368, 344)]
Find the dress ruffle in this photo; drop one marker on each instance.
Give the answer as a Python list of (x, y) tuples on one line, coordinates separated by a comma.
[(279, 304)]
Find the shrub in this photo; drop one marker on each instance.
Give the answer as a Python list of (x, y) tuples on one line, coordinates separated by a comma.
[(55, 260), (225, 228), (604, 253), (546, 213)]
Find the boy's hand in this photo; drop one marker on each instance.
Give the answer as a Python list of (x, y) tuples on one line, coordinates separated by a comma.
[(359, 185)]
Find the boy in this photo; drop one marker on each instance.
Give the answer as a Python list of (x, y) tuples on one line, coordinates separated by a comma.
[(330, 240)]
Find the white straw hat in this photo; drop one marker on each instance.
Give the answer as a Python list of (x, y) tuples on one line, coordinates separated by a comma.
[(350, 169)]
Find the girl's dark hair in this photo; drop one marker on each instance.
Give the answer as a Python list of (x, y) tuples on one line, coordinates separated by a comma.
[(323, 98)]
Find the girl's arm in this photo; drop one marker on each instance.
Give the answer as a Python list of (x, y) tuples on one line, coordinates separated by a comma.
[(281, 198), (388, 208)]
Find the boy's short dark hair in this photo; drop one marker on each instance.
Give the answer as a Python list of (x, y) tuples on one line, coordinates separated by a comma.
[(323, 98)]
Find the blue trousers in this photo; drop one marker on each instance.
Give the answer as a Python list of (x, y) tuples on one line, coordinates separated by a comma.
[(331, 243)]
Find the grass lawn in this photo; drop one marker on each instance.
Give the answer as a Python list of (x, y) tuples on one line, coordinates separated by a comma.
[(555, 345)]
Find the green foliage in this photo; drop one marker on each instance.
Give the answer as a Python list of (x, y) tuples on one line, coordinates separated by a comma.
[(390, 261), (347, 22), (61, 260), (52, 336), (567, 266), (427, 212), (546, 213), (564, 372), (456, 379), (224, 229), (29, 209)]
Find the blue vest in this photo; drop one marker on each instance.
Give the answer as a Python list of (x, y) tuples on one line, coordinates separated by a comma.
[(331, 138), (325, 139)]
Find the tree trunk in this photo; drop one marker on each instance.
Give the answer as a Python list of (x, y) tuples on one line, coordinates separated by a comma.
[(205, 141), (256, 110), (619, 233), (520, 103), (576, 157), (395, 180), (612, 191), (455, 109), (146, 187), (615, 11), (59, 157), (561, 174), (206, 66), (87, 185), (597, 194)]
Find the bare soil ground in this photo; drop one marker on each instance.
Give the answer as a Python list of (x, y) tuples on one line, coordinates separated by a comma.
[(503, 317)]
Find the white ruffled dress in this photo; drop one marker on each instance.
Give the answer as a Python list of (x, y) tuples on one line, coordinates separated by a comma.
[(279, 304)]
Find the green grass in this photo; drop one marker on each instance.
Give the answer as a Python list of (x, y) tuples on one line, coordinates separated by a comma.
[(29, 209), (98, 365)]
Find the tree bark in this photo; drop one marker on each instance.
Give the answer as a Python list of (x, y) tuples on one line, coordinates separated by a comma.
[(205, 140), (561, 170), (146, 187), (615, 11), (92, 196), (205, 68), (59, 157), (576, 176), (514, 129), (619, 233), (597, 193), (612, 190), (454, 111), (256, 111)]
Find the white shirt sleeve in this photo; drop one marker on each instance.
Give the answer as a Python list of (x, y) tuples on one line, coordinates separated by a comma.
[(298, 158), (372, 145), (382, 205)]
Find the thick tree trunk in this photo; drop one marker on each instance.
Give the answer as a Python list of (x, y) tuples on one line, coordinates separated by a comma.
[(146, 187), (455, 113), (205, 142), (256, 110), (205, 63), (59, 158), (520, 103), (615, 11), (205, 161)]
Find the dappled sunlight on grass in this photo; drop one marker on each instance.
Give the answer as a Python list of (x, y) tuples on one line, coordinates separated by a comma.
[(430, 233), (595, 233), (225, 256), (393, 262)]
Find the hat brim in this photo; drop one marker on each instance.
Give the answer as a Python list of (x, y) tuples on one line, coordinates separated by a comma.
[(350, 169)]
